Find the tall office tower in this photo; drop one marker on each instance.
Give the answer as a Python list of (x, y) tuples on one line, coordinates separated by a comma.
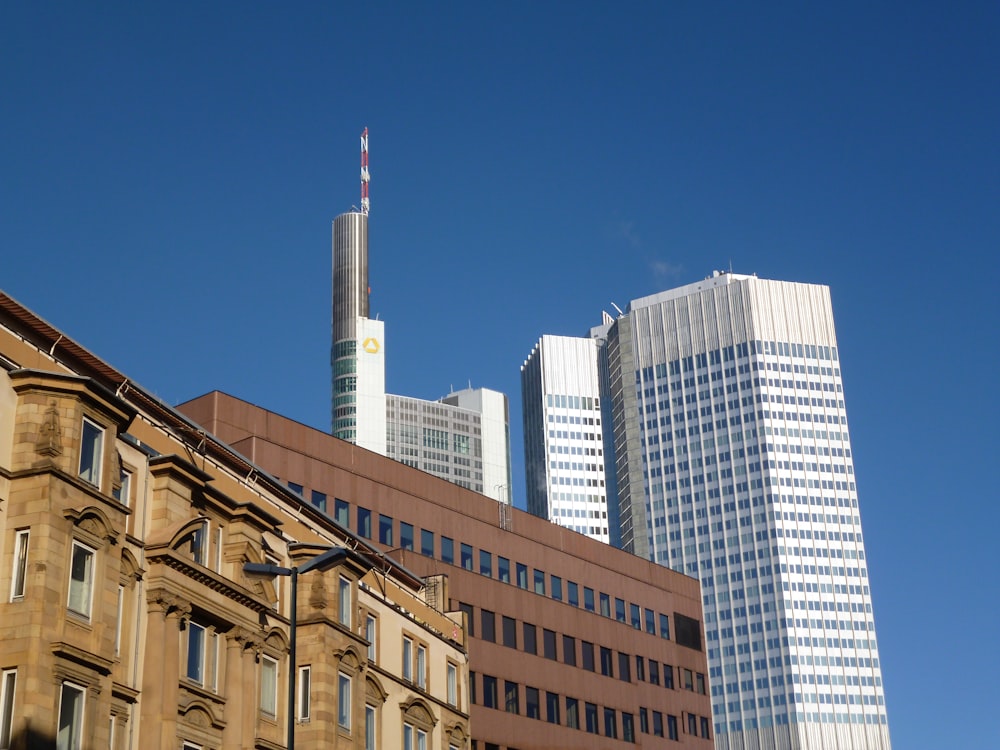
[(564, 457), (358, 351), (463, 438), (734, 465)]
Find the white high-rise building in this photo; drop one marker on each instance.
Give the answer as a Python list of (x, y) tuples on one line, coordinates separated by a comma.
[(733, 462), (563, 446), (463, 437)]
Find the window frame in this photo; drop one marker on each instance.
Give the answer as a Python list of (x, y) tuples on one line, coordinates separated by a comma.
[(344, 701), (88, 585), (344, 601), (75, 739), (19, 572), (8, 691), (304, 694), (91, 474), (262, 705)]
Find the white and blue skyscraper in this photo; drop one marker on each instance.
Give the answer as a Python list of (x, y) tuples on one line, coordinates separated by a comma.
[(733, 463)]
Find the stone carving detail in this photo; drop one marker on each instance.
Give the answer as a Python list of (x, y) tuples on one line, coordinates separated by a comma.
[(166, 602), (50, 434)]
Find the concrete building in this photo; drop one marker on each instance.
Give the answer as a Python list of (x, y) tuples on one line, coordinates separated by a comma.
[(734, 464), (573, 643), (128, 620)]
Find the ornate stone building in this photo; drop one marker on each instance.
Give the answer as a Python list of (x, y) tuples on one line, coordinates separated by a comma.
[(127, 619)]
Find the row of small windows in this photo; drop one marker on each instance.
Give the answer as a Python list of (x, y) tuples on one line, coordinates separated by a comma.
[(646, 670), (742, 350), (566, 711), (517, 574)]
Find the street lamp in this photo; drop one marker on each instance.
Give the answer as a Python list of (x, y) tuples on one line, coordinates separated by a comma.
[(323, 561)]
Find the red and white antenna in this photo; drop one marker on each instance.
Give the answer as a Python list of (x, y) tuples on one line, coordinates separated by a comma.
[(365, 177)]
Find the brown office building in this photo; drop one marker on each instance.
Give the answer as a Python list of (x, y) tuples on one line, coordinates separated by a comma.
[(574, 644)]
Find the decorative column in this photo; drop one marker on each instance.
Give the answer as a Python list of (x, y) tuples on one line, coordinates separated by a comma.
[(241, 645), (158, 728)]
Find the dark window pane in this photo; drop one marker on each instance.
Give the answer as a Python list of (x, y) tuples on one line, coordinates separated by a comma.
[(466, 556), (489, 691), (591, 710), (650, 621), (668, 676), (610, 723), (319, 501), (671, 727), (531, 701), (633, 610), (364, 522), (540, 582), (607, 669), (557, 588), (503, 569), (512, 702), (569, 650), (624, 667), (619, 609), (587, 654), (406, 535), (485, 563), (572, 713), (427, 543), (470, 623), (688, 631), (488, 621), (573, 593), (509, 632), (628, 727), (549, 644), (588, 599), (385, 530), (664, 626), (654, 672), (605, 604), (522, 576), (528, 638), (448, 550), (640, 668), (341, 512), (551, 707), (657, 724)]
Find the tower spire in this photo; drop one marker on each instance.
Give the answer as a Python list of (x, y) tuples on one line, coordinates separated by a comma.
[(365, 204)]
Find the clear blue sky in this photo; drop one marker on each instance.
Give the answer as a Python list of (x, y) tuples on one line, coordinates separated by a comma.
[(169, 172)]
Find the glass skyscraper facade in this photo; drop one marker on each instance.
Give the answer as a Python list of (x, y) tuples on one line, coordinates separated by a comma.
[(734, 465)]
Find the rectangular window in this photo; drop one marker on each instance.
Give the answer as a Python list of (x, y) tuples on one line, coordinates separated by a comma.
[(619, 609), (19, 574), (421, 667), (490, 691), (371, 635), (605, 605), (509, 632), (699, 683), (540, 582), (81, 579), (69, 733), (452, 684), (341, 512), (552, 707), (466, 556), (704, 727), (344, 700), (522, 576), (119, 612), (470, 623), (405, 535), (549, 643), (610, 723), (532, 703), (650, 621), (588, 599), (658, 724), (511, 697), (572, 713), (488, 621), (344, 602), (607, 668), (364, 522), (123, 493), (408, 659), (199, 543), (268, 686), (569, 650), (587, 654), (472, 686), (591, 712), (624, 667), (426, 543), (503, 569), (8, 681), (528, 638), (634, 615), (448, 550), (91, 452), (643, 720), (557, 592), (385, 530), (305, 692), (664, 626), (654, 672), (692, 725), (573, 593), (318, 500), (628, 727), (485, 563), (668, 676), (407, 737), (688, 676), (369, 727), (672, 732), (640, 668)]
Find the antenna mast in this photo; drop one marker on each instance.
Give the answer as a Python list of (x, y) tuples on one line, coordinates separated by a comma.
[(365, 177)]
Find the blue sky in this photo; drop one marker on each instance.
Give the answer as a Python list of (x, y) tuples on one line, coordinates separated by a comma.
[(169, 172)]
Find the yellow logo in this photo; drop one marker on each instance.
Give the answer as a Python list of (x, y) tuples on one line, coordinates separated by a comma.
[(370, 345)]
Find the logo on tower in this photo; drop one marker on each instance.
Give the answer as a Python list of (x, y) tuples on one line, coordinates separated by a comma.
[(370, 345)]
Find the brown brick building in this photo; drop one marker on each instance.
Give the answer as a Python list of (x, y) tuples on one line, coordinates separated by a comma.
[(574, 644)]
